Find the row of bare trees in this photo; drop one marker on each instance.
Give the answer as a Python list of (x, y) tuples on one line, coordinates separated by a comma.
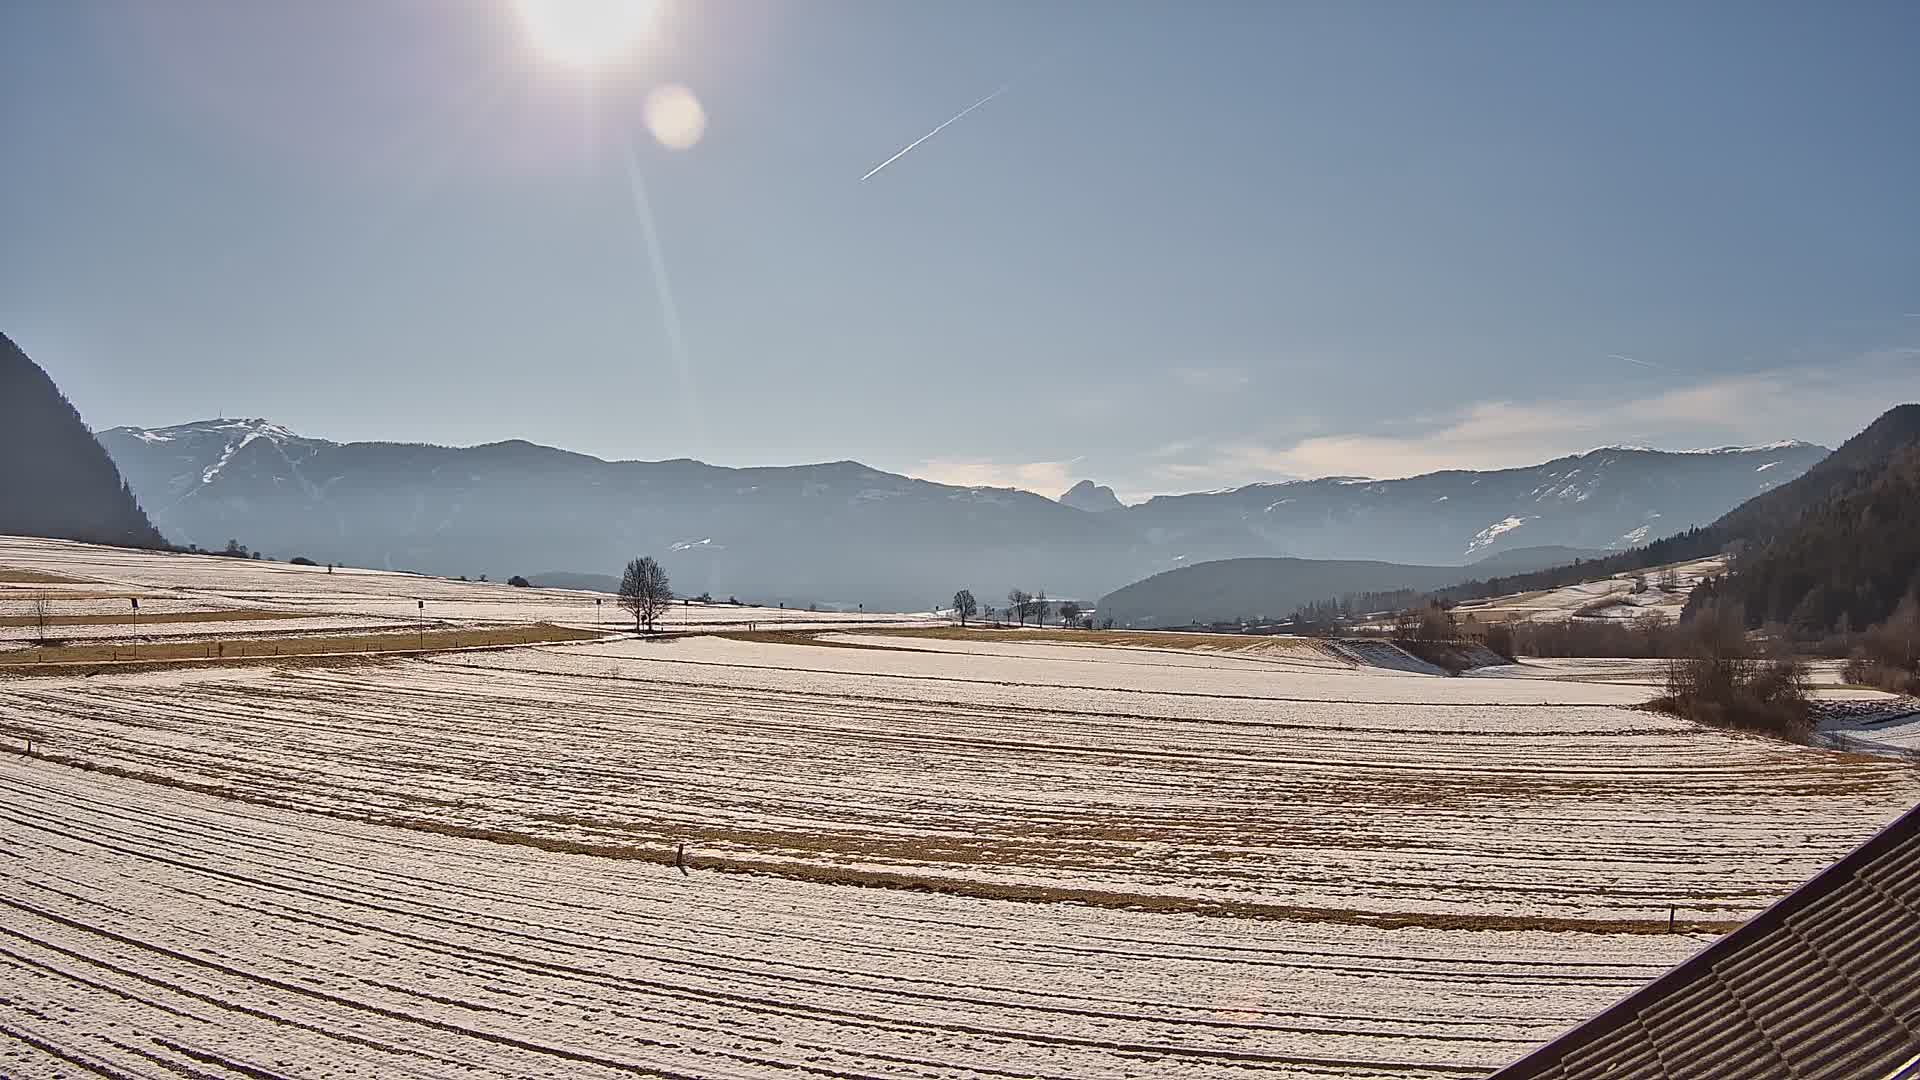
[(1021, 606)]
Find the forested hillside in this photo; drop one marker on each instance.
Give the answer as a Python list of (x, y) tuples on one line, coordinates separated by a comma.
[(1844, 565), (55, 480)]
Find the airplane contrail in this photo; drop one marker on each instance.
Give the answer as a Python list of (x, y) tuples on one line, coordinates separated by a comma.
[(935, 131), (1631, 360)]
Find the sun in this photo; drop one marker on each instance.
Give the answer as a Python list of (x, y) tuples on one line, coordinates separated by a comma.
[(585, 33)]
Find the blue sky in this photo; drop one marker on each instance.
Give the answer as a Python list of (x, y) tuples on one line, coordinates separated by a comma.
[(1188, 246)]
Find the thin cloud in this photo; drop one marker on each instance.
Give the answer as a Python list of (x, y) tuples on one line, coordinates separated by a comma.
[(1824, 403), (943, 125), (1048, 478)]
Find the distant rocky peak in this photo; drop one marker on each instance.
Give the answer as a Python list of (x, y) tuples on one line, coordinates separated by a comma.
[(1091, 497)]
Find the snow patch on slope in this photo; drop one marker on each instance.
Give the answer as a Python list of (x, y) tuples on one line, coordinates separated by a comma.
[(226, 455), (1494, 532)]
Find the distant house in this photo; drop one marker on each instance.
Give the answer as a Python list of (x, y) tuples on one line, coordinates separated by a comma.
[(1825, 983)]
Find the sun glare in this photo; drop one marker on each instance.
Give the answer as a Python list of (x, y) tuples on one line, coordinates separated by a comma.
[(585, 33), (675, 117)]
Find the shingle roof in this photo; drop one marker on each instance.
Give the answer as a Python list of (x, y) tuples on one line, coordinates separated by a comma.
[(1824, 984)]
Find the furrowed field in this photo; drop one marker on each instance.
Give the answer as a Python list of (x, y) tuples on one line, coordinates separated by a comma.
[(907, 853)]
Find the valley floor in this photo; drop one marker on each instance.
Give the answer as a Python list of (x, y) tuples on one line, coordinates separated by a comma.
[(929, 855)]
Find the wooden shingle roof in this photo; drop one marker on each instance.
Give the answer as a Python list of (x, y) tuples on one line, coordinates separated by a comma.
[(1824, 984)]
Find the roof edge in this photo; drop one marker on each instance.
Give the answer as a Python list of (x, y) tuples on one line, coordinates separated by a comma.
[(1812, 890)]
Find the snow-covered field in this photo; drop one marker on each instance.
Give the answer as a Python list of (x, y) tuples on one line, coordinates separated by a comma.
[(909, 856), (150, 932), (107, 578), (1666, 591)]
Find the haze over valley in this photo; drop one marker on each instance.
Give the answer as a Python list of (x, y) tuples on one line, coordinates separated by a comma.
[(777, 540), (843, 533)]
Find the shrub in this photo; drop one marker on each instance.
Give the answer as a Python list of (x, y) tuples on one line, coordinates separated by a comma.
[(519, 582), (1499, 638), (1768, 696), (1431, 622), (301, 560), (1720, 682), (1864, 670)]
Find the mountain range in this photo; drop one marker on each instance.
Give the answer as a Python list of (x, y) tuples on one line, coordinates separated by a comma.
[(1834, 549), (845, 533)]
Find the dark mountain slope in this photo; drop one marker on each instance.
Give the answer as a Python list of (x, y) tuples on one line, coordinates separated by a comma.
[(1845, 563), (55, 479), (1233, 589), (1858, 460)]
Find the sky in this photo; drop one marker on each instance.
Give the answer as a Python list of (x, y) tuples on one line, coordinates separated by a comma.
[(1180, 246)]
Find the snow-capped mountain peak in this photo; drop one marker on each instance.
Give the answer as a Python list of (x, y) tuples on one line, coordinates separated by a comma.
[(236, 428)]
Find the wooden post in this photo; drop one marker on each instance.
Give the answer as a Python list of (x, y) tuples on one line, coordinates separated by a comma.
[(1670, 910)]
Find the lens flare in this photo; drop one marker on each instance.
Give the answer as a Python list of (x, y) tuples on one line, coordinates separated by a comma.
[(586, 33), (675, 117)]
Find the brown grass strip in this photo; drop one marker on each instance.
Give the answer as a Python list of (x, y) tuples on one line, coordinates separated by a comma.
[(65, 659), (238, 615), (1140, 639), (35, 577)]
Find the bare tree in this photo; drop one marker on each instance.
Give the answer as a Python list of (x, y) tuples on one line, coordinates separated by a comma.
[(42, 609), (964, 605), (645, 592), (1040, 607), (1406, 624), (1428, 622), (1019, 604), (1070, 614)]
